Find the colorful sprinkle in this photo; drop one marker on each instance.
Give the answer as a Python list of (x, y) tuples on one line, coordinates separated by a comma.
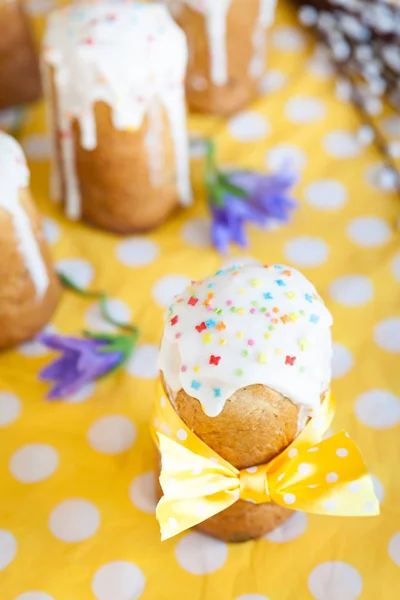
[(217, 392), (222, 341), (253, 311), (263, 358), (275, 309), (291, 295), (241, 311), (239, 372), (193, 301), (239, 334), (309, 298), (303, 344), (214, 360), (268, 296), (201, 327), (280, 282), (245, 353), (183, 369), (290, 360), (211, 323), (285, 319), (196, 369), (195, 385), (314, 319), (207, 338), (293, 317), (267, 336), (255, 283), (174, 320), (251, 342), (221, 326)]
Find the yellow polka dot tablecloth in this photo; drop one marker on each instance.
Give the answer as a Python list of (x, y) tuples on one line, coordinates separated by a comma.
[(77, 498)]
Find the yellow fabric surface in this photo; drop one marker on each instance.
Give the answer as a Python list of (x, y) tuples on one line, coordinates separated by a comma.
[(76, 478)]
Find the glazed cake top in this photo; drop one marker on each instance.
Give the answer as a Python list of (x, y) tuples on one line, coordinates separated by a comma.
[(14, 171), (121, 53), (249, 324)]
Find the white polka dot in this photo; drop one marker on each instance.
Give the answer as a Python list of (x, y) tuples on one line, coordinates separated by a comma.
[(196, 232), (182, 435), (330, 505), (118, 310), (342, 452), (354, 487), (112, 434), (387, 334), (251, 597), (283, 154), (313, 450), (78, 270), (368, 232), (37, 146), (352, 290), (248, 126), (252, 470), (74, 520), (37, 8), (304, 109), (306, 251), (137, 251), (10, 408), (378, 488), (33, 348), (289, 498), (8, 548), (290, 530), (381, 178), (391, 125), (167, 287), (319, 65), (326, 194), (142, 492), (33, 462), (293, 452), (273, 81), (118, 580), (335, 580), (143, 362), (199, 554), (332, 477), (378, 409), (396, 267), (84, 393), (341, 144), (304, 469), (342, 361), (51, 230), (34, 596), (394, 548), (287, 38)]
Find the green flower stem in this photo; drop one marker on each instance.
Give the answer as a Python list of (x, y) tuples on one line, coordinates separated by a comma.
[(217, 182), (103, 300)]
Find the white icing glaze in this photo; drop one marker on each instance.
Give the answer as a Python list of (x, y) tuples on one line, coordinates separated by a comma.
[(246, 325), (215, 14), (14, 174), (128, 55)]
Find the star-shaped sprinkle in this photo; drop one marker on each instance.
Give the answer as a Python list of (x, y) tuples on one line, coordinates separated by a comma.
[(207, 338), (217, 392), (196, 369), (290, 360), (239, 334), (255, 283), (211, 323), (275, 309), (280, 282), (193, 301), (214, 360), (222, 341), (287, 273), (268, 296), (211, 285), (263, 358), (174, 320), (195, 385), (314, 319), (291, 295), (285, 319), (221, 326), (241, 311), (242, 291), (302, 312), (201, 327), (309, 298), (293, 317)]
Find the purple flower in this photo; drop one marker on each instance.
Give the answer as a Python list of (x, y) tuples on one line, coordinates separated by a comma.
[(82, 361), (263, 198)]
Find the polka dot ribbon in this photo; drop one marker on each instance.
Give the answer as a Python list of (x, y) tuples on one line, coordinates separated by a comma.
[(323, 477)]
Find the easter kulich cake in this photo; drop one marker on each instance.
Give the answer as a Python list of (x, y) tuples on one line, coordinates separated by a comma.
[(245, 360), (19, 67), (114, 78), (227, 50), (29, 288)]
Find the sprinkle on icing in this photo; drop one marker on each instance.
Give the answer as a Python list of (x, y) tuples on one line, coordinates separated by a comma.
[(282, 341), (14, 174), (216, 16), (130, 55)]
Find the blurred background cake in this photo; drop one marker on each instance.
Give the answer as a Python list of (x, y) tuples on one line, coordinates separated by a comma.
[(115, 88)]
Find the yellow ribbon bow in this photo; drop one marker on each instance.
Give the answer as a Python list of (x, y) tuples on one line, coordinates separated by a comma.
[(323, 477)]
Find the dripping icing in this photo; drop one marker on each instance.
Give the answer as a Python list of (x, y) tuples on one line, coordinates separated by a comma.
[(91, 49), (14, 175), (248, 325)]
